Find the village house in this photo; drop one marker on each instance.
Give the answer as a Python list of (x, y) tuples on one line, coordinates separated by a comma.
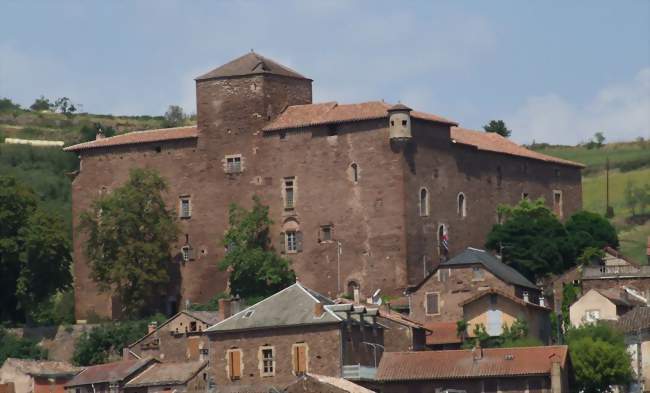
[(635, 325), (353, 189), (291, 333), (37, 376), (512, 370), (108, 377), (442, 296), (603, 304), (177, 377), (179, 338), (313, 383)]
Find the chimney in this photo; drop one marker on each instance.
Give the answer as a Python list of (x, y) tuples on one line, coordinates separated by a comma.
[(556, 375), (100, 134), (224, 308), (153, 325), (318, 309)]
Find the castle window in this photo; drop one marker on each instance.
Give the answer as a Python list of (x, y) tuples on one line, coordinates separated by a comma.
[(432, 303), (404, 122), (326, 233), (557, 203), (462, 205), (499, 176), (291, 239), (289, 192), (424, 202), (233, 164), (185, 207), (187, 254), (267, 361), (234, 357)]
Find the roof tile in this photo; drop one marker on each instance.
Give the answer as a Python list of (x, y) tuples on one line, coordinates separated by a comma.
[(174, 373), (442, 333), (147, 136), (109, 372)]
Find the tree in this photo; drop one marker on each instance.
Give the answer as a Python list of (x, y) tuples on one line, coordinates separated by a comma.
[(588, 229), (599, 139), (599, 357), (7, 105), (12, 346), (174, 116), (255, 269), (89, 132), (65, 106), (34, 251), (41, 104), (130, 236), (498, 126), (532, 240)]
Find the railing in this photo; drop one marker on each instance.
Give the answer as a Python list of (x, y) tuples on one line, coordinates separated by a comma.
[(357, 372)]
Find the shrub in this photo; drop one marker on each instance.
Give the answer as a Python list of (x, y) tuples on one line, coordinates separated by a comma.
[(12, 346)]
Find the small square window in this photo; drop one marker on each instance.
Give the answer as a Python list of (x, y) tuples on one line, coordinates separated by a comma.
[(404, 122), (187, 253), (524, 195), (326, 233), (233, 164), (185, 209)]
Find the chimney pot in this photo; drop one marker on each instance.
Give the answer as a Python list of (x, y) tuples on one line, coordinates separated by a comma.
[(224, 308), (318, 310)]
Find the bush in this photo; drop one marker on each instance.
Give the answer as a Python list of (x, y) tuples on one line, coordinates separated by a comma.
[(12, 346), (7, 105), (57, 310), (211, 305)]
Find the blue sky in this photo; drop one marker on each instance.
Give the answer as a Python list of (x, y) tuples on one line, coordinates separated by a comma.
[(555, 71)]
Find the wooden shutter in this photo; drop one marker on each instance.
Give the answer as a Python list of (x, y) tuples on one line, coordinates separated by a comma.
[(298, 241), (300, 359), (193, 348), (432, 303), (235, 364), (282, 245)]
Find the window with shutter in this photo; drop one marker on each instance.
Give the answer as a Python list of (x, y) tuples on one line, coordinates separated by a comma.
[(432, 306), (234, 363), (300, 358)]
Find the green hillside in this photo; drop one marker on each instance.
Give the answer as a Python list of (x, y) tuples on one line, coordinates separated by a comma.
[(629, 162)]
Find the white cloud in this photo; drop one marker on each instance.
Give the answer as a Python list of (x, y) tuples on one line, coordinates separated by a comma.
[(621, 112)]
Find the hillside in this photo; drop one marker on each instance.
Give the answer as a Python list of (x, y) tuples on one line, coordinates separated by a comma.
[(629, 163)]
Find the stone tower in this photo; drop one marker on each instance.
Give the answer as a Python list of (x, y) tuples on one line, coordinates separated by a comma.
[(399, 117)]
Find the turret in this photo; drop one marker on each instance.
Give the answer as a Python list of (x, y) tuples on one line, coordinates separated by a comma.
[(399, 123)]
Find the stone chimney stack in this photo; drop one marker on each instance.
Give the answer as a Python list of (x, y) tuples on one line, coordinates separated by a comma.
[(319, 309), (477, 352), (224, 308), (152, 327)]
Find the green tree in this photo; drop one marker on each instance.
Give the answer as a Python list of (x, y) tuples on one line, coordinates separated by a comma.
[(630, 196), (498, 126), (12, 346), (89, 132), (599, 138), (532, 240), (130, 236), (599, 357), (255, 269), (34, 251), (7, 105), (65, 106), (588, 229), (41, 104), (175, 116)]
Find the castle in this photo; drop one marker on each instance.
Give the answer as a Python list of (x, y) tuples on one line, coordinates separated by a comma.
[(363, 196)]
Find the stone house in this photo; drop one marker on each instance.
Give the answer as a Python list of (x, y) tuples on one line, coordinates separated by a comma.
[(635, 325), (353, 189), (37, 376), (495, 309), (108, 377), (179, 338), (180, 377), (313, 383), (439, 297), (291, 333), (602, 304), (512, 370)]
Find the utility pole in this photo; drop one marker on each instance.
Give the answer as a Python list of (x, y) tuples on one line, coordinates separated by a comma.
[(609, 211)]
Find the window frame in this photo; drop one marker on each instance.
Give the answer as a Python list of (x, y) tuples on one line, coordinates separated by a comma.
[(588, 316), (480, 276), (461, 205), (327, 228), (423, 210), (263, 361), (287, 242), (289, 204), (181, 212), (559, 208), (426, 302), (186, 253), (237, 165)]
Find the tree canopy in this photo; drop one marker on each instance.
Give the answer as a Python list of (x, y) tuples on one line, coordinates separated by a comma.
[(498, 126), (175, 116), (12, 346), (599, 357), (532, 240), (34, 251), (588, 229), (130, 236), (255, 269), (41, 104)]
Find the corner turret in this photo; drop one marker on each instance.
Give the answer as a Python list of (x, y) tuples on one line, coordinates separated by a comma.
[(399, 123)]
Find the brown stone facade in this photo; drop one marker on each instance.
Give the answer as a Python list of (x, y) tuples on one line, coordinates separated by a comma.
[(378, 238), (454, 285)]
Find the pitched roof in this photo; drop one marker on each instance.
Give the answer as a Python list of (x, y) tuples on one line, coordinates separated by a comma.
[(209, 317), (611, 253), (494, 291), (147, 136), (442, 333), (619, 297), (383, 312), (491, 141), (339, 384), (460, 364), (299, 116), (109, 372), (291, 306), (634, 320), (473, 256), (250, 64), (175, 373), (42, 368)]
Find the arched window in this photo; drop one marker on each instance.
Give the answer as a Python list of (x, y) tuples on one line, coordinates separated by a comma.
[(424, 202), (355, 172), (462, 205)]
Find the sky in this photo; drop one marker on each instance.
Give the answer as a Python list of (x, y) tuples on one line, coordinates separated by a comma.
[(554, 71)]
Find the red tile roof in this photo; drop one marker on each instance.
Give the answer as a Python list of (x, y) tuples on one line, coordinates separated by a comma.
[(147, 136), (298, 116), (109, 372), (442, 333), (491, 141), (459, 364), (502, 294)]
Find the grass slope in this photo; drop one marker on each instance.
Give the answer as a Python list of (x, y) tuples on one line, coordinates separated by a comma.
[(622, 156)]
